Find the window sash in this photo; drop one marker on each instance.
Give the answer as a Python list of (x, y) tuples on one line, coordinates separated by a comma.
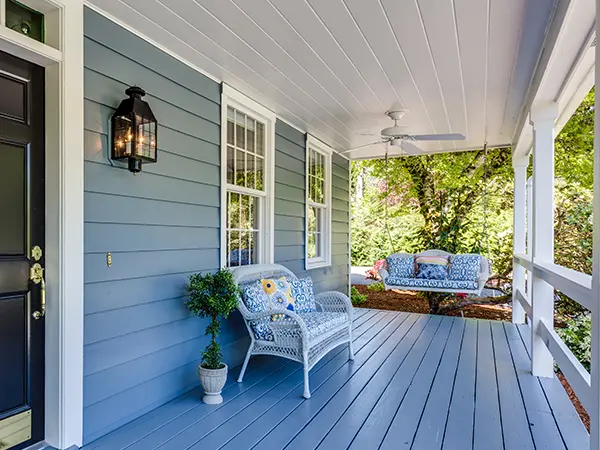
[(318, 206), (316, 229), (245, 149), (243, 229)]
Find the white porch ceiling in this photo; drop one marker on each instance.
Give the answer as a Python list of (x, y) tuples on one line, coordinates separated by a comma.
[(334, 67)]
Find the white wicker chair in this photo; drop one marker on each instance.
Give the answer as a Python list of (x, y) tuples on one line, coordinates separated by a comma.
[(291, 337)]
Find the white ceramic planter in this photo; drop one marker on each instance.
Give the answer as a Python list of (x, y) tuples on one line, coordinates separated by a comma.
[(212, 381)]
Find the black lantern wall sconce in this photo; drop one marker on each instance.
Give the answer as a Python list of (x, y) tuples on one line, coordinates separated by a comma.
[(134, 131)]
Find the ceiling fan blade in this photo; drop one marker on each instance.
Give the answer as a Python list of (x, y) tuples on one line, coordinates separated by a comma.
[(439, 137), (363, 146), (411, 149)]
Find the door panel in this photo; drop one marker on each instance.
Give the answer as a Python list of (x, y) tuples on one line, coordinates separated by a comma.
[(13, 322), (22, 214), (13, 178), (13, 102)]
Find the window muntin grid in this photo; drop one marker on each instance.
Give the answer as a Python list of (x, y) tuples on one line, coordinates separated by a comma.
[(245, 150)]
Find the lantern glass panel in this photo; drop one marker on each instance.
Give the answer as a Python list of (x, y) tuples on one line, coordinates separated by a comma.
[(145, 145), (123, 135)]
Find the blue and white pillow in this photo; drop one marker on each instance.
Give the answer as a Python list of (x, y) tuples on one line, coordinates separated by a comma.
[(464, 267), (256, 300), (401, 266), (302, 291), (432, 267), (431, 271)]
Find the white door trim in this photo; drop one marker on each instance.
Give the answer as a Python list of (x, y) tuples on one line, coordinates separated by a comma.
[(62, 56)]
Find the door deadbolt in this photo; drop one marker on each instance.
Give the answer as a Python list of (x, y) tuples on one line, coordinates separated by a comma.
[(36, 253)]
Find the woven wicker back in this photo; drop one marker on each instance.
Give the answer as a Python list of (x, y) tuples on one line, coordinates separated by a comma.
[(251, 273)]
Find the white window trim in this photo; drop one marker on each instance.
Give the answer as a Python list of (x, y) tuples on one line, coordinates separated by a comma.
[(327, 152), (235, 99)]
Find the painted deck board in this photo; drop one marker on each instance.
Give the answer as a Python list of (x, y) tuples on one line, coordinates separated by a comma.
[(418, 382), (571, 428), (488, 426), (459, 424), (430, 432)]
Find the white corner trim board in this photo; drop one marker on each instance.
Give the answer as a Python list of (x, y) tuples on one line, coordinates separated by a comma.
[(62, 56)]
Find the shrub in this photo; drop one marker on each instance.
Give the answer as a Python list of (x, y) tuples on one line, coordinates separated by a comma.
[(212, 295), (376, 287), (356, 297), (577, 335), (373, 272)]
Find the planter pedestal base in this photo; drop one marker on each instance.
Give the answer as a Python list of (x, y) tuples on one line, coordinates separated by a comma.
[(212, 399), (212, 381)]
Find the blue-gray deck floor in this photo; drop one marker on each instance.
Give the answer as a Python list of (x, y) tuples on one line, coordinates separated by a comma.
[(418, 382)]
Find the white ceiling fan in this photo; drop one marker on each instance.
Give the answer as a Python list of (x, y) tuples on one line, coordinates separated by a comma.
[(398, 136)]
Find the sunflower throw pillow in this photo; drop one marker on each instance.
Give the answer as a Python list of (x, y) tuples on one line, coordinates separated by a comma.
[(279, 292)]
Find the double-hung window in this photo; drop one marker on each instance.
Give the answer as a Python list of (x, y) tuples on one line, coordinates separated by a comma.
[(318, 204), (247, 156)]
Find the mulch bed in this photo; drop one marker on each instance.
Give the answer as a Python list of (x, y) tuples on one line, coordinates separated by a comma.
[(407, 301)]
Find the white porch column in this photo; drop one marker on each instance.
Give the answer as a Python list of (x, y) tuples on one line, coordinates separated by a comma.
[(529, 231), (542, 293), (520, 164), (595, 363)]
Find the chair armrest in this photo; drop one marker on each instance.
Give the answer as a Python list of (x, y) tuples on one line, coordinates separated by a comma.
[(294, 319), (485, 270), (334, 301), (383, 274)]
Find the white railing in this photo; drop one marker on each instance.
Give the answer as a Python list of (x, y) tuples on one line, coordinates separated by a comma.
[(524, 301), (578, 286)]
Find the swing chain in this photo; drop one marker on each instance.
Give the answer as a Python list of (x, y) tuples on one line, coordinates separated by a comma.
[(387, 194), (485, 195)]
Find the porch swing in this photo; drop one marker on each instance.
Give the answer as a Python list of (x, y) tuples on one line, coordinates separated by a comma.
[(437, 270)]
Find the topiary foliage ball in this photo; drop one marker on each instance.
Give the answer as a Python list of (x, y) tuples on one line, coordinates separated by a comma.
[(212, 295)]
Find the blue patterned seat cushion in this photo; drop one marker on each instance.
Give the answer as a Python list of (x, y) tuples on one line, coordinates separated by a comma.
[(256, 300), (464, 267), (401, 266), (439, 284), (304, 296), (317, 322)]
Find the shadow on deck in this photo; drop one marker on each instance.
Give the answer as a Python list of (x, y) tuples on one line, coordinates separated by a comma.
[(418, 382)]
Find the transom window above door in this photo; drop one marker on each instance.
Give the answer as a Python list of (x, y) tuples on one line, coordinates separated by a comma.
[(247, 189)]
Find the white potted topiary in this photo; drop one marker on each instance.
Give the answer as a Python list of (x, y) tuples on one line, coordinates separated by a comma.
[(213, 295)]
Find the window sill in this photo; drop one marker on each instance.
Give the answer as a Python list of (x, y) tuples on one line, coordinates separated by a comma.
[(317, 264)]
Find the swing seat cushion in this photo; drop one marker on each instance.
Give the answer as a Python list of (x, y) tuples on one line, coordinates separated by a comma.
[(464, 267), (437, 284), (401, 266)]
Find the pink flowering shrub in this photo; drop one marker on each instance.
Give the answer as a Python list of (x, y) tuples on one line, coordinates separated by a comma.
[(373, 273)]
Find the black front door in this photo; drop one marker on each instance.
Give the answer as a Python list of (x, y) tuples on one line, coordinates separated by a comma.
[(22, 287)]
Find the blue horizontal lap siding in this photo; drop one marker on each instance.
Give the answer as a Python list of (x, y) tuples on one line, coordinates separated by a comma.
[(141, 343), (290, 211)]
